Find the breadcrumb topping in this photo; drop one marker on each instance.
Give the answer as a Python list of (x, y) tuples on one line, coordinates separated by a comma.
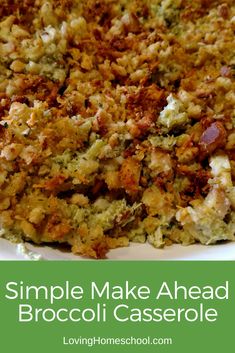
[(117, 122)]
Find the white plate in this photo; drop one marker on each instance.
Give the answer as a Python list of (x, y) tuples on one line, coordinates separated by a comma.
[(226, 251)]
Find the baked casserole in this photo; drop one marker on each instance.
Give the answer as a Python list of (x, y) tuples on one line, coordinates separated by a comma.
[(117, 122)]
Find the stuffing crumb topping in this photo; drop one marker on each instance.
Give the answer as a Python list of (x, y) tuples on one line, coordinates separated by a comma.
[(117, 122)]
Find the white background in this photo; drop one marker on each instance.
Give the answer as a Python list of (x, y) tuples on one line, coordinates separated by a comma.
[(225, 251)]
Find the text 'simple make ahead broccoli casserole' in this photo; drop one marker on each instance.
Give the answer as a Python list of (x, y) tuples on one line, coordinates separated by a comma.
[(117, 122)]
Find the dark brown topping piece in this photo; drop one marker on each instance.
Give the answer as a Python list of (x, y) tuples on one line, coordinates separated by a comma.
[(213, 137)]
